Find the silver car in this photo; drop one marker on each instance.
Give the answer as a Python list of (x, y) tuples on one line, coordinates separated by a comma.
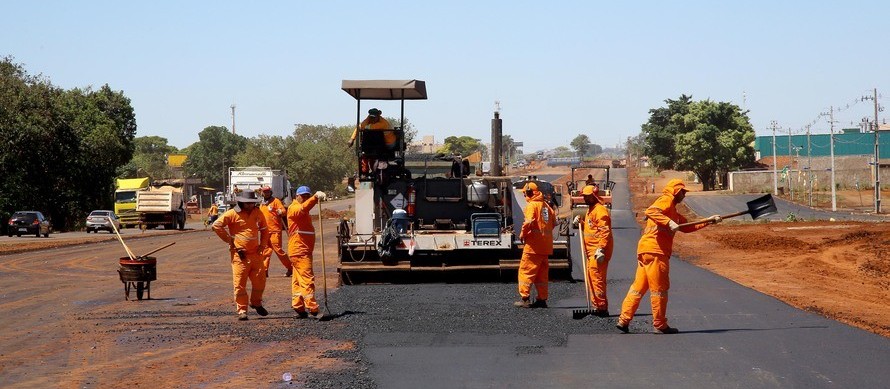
[(103, 220)]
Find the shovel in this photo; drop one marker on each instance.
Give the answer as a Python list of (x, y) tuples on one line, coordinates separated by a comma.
[(580, 313), (757, 208), (324, 279)]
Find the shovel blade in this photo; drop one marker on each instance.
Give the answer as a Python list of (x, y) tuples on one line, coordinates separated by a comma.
[(762, 206)]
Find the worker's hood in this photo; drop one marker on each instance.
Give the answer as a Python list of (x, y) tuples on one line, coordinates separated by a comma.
[(674, 187)]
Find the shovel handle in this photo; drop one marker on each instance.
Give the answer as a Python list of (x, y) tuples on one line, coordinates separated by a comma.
[(727, 216), (156, 250)]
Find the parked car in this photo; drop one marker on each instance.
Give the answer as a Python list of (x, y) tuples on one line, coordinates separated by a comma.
[(29, 222), (103, 220)]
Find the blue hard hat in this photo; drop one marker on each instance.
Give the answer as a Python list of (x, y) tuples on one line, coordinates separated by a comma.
[(303, 190)]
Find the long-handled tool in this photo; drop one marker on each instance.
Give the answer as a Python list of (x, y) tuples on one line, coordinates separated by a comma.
[(580, 313), (324, 276), (757, 208), (129, 253), (143, 256)]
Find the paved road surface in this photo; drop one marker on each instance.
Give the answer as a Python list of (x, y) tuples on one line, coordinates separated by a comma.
[(732, 336)]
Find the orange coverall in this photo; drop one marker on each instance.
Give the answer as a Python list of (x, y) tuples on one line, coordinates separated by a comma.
[(537, 232), (273, 211), (247, 231), (300, 245), (653, 257), (598, 234)]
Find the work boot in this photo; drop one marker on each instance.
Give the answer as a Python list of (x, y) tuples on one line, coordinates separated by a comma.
[(601, 312), (300, 314), (314, 315), (289, 273), (667, 330), (538, 304), (260, 310), (623, 327), (242, 316), (523, 303)]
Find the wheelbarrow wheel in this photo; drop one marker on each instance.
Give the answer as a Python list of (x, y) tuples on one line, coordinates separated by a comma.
[(140, 290)]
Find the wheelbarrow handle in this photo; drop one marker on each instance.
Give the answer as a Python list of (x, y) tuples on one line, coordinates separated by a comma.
[(727, 216), (156, 250)]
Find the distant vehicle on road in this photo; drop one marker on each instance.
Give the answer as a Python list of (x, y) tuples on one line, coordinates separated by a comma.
[(29, 222), (103, 220)]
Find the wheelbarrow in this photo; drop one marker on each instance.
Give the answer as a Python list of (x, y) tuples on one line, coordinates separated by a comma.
[(137, 273)]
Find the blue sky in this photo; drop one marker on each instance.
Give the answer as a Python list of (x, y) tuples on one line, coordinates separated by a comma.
[(558, 69)]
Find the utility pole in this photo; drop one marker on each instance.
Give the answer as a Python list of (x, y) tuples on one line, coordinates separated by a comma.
[(233, 118), (790, 166), (809, 170), (831, 142), (875, 127), (775, 172)]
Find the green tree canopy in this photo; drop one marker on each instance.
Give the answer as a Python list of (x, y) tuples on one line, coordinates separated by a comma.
[(212, 155), (463, 145), (705, 137), (65, 145), (149, 159), (581, 144)]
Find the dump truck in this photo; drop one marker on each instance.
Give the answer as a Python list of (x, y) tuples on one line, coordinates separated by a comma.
[(419, 214), (161, 205), (125, 199), (252, 178)]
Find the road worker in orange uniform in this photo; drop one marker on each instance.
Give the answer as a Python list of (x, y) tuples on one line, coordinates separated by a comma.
[(300, 245), (654, 254), (375, 122), (276, 215), (247, 238), (537, 233), (212, 214), (598, 244)]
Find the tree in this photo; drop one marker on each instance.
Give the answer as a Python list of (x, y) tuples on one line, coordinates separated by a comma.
[(213, 153), (316, 156), (581, 144), (149, 158), (463, 145), (408, 129), (63, 145), (705, 137), (562, 152)]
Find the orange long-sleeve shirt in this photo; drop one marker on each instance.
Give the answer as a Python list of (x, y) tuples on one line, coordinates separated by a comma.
[(657, 236), (300, 231), (273, 211), (389, 137), (537, 230), (597, 230), (246, 229)]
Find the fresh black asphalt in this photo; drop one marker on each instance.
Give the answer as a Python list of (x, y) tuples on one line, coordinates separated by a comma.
[(468, 335)]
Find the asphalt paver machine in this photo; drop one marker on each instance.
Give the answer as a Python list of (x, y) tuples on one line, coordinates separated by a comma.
[(422, 215)]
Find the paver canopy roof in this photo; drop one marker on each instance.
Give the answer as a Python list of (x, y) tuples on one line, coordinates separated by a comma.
[(385, 89)]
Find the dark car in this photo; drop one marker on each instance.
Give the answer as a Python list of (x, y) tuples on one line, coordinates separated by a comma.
[(29, 222)]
